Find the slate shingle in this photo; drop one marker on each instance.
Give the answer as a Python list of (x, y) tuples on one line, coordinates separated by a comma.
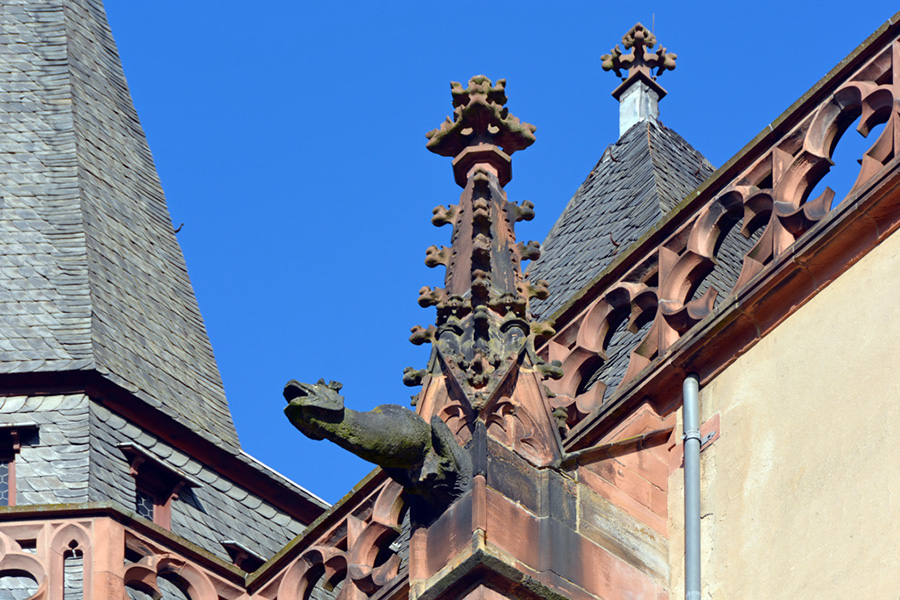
[(52, 466), (217, 511), (637, 180), (93, 277)]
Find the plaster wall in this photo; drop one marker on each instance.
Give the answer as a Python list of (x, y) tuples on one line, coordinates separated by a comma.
[(800, 493)]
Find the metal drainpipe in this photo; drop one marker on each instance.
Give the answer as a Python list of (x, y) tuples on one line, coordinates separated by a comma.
[(691, 416)]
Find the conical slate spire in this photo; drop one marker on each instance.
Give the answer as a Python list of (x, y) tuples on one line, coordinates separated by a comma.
[(636, 182), (93, 277)]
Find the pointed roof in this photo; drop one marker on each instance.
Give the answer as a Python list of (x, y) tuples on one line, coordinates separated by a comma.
[(636, 182), (91, 274)]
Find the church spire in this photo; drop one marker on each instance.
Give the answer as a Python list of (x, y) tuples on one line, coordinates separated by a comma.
[(639, 94), (94, 281)]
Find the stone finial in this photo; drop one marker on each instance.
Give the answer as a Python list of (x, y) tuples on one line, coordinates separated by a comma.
[(483, 335), (639, 94), (480, 117)]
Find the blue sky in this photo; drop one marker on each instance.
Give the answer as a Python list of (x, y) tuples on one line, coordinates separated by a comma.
[(290, 142)]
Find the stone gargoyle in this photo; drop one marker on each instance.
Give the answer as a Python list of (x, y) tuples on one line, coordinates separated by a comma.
[(424, 458)]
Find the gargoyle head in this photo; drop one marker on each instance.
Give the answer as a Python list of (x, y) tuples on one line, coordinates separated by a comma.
[(312, 406)]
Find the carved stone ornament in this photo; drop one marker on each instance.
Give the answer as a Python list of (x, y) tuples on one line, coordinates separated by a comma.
[(355, 555), (423, 457), (642, 58), (480, 117), (483, 367)]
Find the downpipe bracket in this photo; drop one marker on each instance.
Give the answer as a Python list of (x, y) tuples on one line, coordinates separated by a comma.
[(694, 434)]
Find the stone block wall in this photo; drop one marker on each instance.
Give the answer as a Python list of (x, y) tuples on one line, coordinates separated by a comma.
[(635, 479), (534, 528)]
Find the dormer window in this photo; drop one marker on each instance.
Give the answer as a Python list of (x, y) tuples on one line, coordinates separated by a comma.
[(11, 437), (156, 484)]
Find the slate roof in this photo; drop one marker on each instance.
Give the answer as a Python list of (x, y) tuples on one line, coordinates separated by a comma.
[(17, 587), (216, 511), (91, 275), (52, 464), (637, 180)]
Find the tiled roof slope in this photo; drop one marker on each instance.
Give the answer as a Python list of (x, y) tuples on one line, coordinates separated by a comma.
[(637, 180), (217, 510), (91, 274)]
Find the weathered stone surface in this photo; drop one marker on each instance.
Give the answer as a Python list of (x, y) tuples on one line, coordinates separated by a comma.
[(612, 528), (480, 118), (423, 457)]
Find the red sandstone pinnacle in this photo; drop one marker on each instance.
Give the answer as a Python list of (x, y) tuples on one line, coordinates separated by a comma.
[(480, 117)]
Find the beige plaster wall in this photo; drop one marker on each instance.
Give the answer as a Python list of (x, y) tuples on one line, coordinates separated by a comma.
[(801, 494)]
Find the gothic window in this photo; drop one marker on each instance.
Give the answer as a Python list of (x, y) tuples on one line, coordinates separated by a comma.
[(143, 504), (156, 485), (73, 573)]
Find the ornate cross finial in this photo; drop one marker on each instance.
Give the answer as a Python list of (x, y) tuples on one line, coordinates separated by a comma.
[(642, 58), (639, 93)]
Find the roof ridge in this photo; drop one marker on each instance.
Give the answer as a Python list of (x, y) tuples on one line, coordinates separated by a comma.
[(656, 173), (704, 167)]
